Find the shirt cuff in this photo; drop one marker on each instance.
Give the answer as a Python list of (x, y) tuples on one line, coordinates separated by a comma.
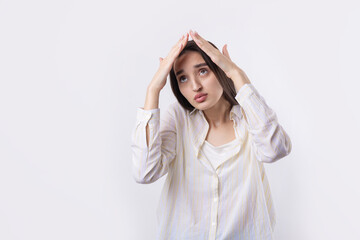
[(146, 115), (244, 93)]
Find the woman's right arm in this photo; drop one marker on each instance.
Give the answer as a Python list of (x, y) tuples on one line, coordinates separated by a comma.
[(154, 144), (151, 102)]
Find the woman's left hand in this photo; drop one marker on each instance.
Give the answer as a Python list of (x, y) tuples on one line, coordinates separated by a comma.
[(222, 60)]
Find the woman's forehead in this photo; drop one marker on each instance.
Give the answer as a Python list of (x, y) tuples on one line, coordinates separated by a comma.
[(188, 59)]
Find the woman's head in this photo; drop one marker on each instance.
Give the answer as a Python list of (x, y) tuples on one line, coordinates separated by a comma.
[(189, 77)]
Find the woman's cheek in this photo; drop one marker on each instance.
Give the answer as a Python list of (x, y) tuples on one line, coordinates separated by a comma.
[(184, 94)]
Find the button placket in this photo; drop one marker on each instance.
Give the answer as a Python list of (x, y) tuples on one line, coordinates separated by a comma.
[(214, 207)]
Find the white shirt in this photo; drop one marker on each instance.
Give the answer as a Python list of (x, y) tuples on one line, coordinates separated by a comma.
[(197, 202), (216, 155)]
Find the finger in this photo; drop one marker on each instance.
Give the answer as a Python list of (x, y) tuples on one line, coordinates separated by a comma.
[(225, 51), (174, 53), (178, 47), (204, 45), (160, 59), (216, 56), (175, 48), (182, 39)]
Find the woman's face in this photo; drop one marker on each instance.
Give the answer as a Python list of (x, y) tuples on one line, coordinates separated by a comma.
[(195, 77)]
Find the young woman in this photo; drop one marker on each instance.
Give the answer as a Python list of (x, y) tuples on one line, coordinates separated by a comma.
[(212, 144)]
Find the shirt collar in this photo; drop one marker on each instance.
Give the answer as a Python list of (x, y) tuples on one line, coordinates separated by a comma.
[(200, 127), (235, 110)]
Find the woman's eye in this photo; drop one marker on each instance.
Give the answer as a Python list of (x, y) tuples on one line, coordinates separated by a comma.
[(203, 70), (181, 78)]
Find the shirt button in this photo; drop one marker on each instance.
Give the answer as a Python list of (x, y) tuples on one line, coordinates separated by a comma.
[(215, 199), (214, 223)]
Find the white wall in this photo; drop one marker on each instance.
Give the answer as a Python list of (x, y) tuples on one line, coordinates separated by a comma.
[(72, 74)]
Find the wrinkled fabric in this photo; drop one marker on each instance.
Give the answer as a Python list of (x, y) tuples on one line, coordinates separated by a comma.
[(231, 200)]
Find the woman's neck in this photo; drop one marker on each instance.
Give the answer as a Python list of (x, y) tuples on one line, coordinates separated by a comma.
[(218, 115)]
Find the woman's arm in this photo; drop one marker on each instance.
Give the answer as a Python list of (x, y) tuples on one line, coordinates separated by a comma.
[(269, 139), (154, 144), (151, 102)]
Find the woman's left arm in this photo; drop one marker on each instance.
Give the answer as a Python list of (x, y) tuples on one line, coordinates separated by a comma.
[(270, 141)]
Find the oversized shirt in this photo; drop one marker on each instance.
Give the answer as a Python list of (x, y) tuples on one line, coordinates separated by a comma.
[(216, 155), (231, 201)]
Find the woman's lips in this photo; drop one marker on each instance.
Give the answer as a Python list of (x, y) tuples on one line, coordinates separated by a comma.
[(201, 98)]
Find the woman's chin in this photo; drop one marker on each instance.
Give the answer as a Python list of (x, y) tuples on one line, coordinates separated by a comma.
[(201, 106)]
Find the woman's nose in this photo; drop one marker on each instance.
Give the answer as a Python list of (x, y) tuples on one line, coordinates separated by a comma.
[(196, 86)]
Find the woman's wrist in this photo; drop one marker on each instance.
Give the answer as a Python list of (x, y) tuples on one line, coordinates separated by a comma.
[(239, 78), (153, 89), (152, 98)]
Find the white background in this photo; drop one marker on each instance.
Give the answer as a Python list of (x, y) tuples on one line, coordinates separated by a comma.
[(73, 73)]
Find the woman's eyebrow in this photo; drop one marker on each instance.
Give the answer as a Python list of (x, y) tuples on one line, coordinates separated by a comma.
[(195, 66)]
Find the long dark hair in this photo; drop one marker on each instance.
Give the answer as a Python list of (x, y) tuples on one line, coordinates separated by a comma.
[(226, 83)]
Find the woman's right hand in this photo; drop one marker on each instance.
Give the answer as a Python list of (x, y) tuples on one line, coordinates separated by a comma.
[(159, 79)]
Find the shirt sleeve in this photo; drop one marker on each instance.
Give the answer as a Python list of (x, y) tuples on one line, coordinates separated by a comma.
[(149, 163), (269, 139)]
